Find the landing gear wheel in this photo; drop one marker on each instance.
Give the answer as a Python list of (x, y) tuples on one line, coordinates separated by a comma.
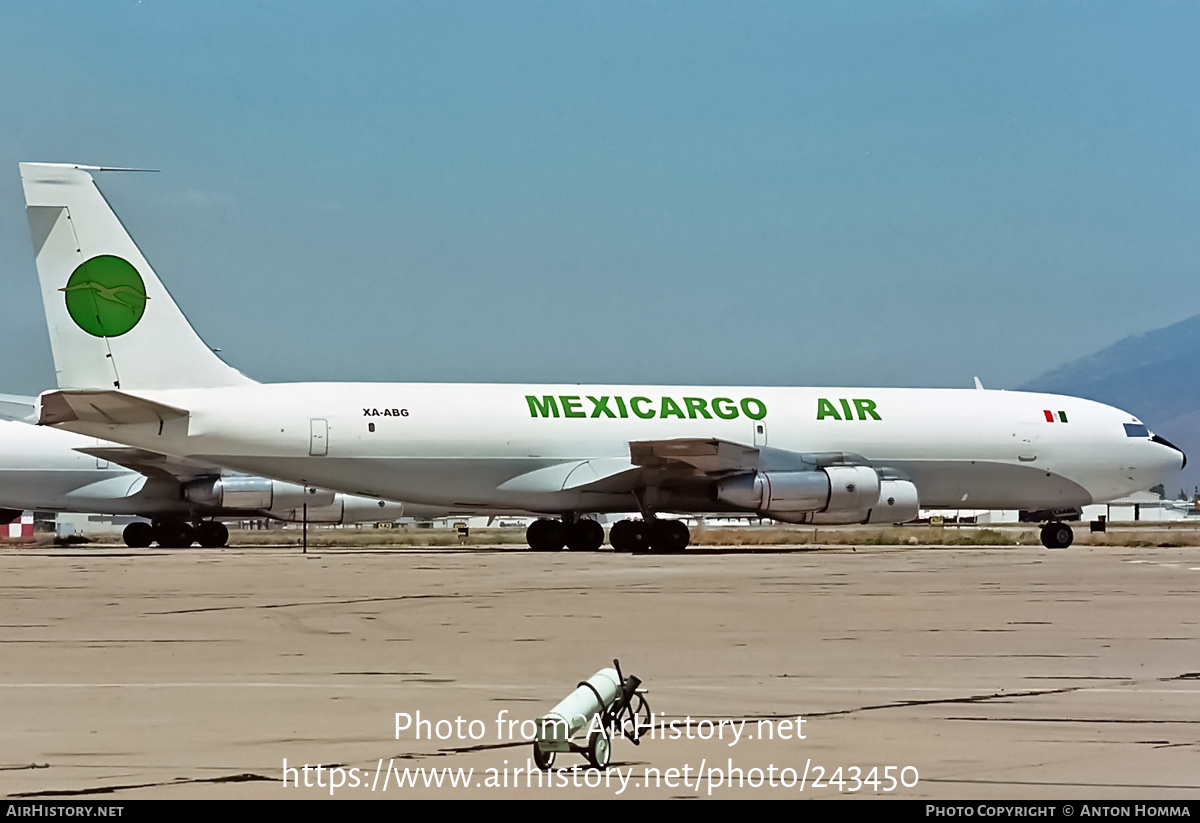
[(543, 760), (618, 536), (212, 535), (599, 751), (546, 535), (138, 535), (630, 536), (585, 536), (1057, 535), (174, 534), (670, 536)]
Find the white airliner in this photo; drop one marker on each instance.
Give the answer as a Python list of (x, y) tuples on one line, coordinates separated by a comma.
[(44, 469), (131, 369)]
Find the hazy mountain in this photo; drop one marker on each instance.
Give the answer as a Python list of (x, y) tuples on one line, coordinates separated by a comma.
[(1155, 376)]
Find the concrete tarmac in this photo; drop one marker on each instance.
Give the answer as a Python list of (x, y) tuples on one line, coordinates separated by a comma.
[(952, 673)]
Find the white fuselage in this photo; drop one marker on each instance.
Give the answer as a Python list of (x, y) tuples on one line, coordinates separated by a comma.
[(475, 445)]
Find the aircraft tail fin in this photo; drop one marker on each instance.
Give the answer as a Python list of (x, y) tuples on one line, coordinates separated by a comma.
[(112, 323)]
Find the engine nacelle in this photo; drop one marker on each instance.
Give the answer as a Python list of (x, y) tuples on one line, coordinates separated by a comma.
[(852, 488), (898, 503), (830, 496), (776, 491), (346, 508), (333, 513), (795, 496), (254, 494)]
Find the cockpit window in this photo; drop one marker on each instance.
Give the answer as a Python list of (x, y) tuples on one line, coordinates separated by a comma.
[(1136, 430)]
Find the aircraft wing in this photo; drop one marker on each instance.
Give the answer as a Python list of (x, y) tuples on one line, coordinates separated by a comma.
[(655, 460), (152, 464), (717, 458), (694, 455), (684, 461)]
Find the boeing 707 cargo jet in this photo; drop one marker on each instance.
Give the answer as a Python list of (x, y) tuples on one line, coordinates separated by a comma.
[(131, 369)]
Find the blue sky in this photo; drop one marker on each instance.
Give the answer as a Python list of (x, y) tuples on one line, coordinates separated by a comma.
[(732, 193)]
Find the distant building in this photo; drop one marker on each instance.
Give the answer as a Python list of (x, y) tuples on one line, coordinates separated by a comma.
[(1139, 507)]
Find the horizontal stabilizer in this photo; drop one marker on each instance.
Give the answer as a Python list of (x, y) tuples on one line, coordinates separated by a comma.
[(111, 408), (18, 407)]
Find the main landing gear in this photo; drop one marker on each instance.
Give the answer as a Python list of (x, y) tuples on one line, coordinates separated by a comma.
[(1057, 535), (587, 535), (176, 534), (666, 536), (551, 535)]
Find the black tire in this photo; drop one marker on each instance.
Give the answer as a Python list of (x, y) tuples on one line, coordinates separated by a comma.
[(546, 535), (670, 536), (1057, 536), (212, 535), (585, 536), (618, 536), (639, 536), (543, 760), (174, 534), (138, 535)]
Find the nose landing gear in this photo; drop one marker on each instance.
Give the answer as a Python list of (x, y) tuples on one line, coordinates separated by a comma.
[(1057, 535)]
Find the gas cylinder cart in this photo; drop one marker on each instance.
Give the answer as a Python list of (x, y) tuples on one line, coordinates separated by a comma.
[(604, 704)]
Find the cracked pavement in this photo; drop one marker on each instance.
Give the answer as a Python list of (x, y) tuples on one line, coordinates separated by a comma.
[(997, 673)]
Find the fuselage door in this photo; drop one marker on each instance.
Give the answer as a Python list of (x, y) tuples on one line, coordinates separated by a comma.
[(1027, 437), (318, 441), (760, 432)]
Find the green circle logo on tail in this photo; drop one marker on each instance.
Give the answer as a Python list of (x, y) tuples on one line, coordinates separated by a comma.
[(106, 296)]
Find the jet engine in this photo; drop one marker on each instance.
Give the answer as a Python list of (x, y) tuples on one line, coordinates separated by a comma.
[(254, 494), (345, 508), (829, 495), (898, 502)]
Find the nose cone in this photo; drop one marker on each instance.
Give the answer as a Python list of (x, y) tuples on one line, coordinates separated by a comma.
[(1156, 460), (1162, 441), (1131, 457)]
